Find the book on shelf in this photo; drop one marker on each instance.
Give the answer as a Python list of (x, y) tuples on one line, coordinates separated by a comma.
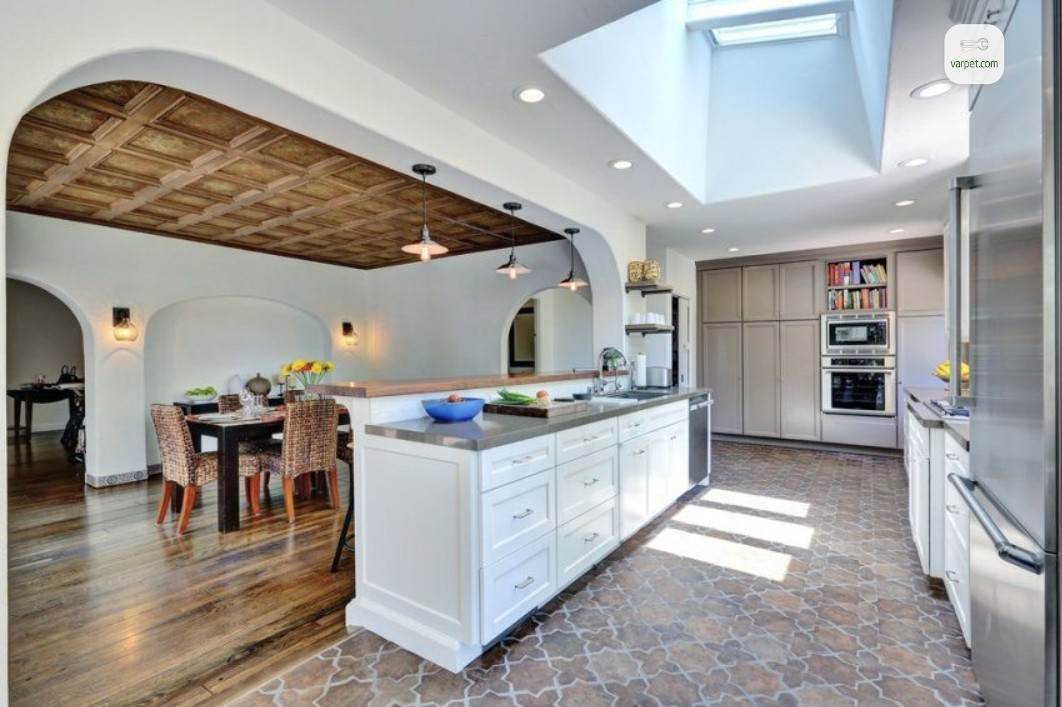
[(858, 299), (855, 273)]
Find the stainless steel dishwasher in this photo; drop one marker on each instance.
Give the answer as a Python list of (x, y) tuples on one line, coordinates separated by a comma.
[(700, 440)]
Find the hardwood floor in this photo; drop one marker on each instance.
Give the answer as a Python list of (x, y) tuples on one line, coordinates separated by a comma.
[(107, 608)]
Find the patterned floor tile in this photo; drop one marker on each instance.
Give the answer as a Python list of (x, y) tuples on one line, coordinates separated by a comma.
[(792, 580)]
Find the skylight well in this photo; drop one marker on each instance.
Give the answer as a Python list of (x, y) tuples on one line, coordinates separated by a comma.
[(736, 22)]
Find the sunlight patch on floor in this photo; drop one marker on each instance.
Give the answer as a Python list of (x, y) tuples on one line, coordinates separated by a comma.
[(723, 553), (759, 502), (768, 529)]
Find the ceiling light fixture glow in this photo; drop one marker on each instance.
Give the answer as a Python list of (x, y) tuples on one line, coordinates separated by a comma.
[(706, 231), (915, 162), (936, 87), (620, 164), (512, 267), (904, 202), (827, 25), (529, 94), (674, 204), (425, 247)]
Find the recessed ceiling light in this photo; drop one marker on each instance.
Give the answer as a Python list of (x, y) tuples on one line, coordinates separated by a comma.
[(915, 162), (905, 202), (674, 204), (732, 250), (897, 231), (620, 164), (707, 230), (529, 94), (937, 87)]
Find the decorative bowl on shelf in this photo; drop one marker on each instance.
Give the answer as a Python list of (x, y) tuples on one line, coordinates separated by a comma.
[(442, 410), (200, 398)]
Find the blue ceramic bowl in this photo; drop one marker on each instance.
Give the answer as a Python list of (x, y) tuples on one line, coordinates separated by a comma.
[(443, 411)]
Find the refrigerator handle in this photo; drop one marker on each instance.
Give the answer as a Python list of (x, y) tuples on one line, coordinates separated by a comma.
[(1007, 550)]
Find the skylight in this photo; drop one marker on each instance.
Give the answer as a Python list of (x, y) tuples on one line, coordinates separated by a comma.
[(828, 25)]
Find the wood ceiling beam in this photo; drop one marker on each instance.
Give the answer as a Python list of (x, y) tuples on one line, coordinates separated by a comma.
[(159, 102)]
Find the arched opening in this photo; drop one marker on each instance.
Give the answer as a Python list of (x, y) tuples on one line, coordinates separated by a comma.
[(551, 331), (221, 343)]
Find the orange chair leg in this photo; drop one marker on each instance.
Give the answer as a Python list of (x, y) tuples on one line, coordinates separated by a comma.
[(164, 502), (186, 509), (256, 490), (333, 488), (289, 498), (247, 489)]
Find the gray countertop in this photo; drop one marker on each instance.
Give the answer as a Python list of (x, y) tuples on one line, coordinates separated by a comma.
[(917, 399), (491, 430)]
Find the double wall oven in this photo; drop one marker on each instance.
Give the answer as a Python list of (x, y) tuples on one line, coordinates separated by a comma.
[(859, 364)]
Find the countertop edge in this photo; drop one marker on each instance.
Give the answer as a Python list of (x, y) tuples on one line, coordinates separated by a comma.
[(379, 389), (551, 425)]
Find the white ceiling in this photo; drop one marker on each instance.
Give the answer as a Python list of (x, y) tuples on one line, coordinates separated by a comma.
[(470, 55)]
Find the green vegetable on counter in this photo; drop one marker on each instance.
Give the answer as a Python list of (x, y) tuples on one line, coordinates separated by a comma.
[(515, 398), (209, 390)]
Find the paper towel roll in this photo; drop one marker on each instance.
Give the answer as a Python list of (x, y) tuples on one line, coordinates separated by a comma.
[(640, 364)]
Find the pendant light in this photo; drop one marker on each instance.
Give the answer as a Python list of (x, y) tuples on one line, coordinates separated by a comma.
[(572, 282), (512, 266), (425, 247)]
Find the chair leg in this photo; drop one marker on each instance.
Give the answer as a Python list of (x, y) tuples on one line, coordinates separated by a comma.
[(186, 509), (247, 489), (333, 488), (289, 498), (343, 536), (164, 502), (266, 480), (255, 491)]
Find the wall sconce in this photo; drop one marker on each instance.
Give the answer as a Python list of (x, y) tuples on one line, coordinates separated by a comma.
[(124, 329), (350, 337)]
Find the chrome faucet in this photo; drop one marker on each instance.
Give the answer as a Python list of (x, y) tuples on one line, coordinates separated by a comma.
[(607, 360)]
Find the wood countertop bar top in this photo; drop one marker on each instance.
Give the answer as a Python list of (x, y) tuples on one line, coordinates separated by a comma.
[(383, 388)]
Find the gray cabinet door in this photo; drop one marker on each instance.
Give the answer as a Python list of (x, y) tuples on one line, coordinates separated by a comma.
[(919, 282), (721, 371), (799, 288), (759, 292), (800, 385), (760, 400), (720, 293)]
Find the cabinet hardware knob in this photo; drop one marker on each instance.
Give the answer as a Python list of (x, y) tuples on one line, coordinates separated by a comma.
[(526, 512), (639, 452), (591, 482), (590, 538), (523, 460), (952, 455), (525, 584), (952, 508), (953, 576)]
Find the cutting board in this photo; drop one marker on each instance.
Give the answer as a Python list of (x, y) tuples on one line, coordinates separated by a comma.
[(500, 407)]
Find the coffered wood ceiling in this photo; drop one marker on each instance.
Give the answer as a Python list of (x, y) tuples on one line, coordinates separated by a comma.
[(159, 160)]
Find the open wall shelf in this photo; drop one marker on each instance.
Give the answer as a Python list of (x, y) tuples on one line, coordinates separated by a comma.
[(857, 284)]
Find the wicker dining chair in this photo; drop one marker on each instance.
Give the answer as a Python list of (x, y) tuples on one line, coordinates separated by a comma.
[(183, 466), (309, 445), (293, 395)]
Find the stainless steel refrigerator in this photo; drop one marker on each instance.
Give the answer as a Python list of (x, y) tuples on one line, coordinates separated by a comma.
[(1012, 199)]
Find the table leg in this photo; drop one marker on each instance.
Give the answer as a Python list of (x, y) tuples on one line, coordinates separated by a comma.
[(29, 419), (228, 481), (18, 416)]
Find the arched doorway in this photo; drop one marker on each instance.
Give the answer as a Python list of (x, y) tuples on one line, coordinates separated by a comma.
[(551, 331)]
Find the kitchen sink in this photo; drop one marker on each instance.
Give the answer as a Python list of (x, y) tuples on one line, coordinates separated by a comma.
[(638, 394)]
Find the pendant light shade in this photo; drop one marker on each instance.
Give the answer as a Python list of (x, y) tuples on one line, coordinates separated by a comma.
[(572, 282), (425, 247), (512, 267)]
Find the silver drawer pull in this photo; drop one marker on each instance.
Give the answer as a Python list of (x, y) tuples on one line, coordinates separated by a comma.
[(953, 576), (673, 437), (639, 452), (636, 424), (523, 460), (952, 508), (524, 514), (525, 584), (591, 482), (952, 456), (591, 537)]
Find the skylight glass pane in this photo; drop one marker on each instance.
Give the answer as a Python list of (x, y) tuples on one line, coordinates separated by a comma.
[(778, 30)]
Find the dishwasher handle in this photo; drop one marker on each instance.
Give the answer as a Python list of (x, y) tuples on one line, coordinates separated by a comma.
[(1006, 550)]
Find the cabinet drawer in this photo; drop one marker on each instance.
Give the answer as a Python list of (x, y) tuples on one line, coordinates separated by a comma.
[(586, 540), (633, 424), (581, 441), (502, 465), (956, 459), (517, 584), (957, 513), (664, 415), (584, 483), (957, 578), (517, 513)]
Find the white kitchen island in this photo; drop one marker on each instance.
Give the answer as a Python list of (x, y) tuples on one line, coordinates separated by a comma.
[(464, 529)]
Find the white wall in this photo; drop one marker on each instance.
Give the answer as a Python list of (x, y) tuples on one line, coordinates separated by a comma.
[(223, 342), (43, 336), (562, 320)]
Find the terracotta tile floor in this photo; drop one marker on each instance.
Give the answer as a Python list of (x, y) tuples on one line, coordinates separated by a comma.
[(791, 580)]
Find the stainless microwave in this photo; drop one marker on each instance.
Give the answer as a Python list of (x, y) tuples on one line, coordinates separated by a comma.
[(862, 333)]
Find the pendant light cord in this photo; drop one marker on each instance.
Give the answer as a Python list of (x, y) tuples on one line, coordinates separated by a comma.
[(424, 206)]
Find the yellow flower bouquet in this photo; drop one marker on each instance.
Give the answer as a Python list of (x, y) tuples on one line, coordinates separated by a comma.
[(307, 371)]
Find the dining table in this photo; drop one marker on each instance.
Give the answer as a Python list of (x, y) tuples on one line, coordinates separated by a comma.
[(230, 431)]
